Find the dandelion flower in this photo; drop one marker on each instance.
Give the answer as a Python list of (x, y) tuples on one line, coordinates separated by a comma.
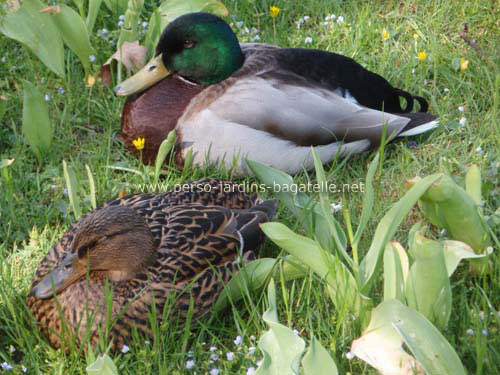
[(274, 11), (308, 40), (385, 34), (139, 143), (464, 64), (422, 55)]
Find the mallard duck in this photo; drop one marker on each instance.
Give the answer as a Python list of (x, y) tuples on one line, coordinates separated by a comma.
[(183, 244), (259, 101)]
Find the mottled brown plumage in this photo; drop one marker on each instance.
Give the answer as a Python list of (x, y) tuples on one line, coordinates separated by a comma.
[(180, 244)]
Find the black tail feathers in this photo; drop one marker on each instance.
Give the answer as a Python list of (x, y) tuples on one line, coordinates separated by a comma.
[(424, 106)]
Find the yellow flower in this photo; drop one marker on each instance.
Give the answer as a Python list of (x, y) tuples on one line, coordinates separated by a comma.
[(90, 80), (139, 143), (274, 10), (422, 55), (415, 36), (464, 64), (385, 34)]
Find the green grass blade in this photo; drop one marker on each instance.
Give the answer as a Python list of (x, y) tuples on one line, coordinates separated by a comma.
[(388, 227), (165, 147), (38, 33), (37, 127), (72, 186), (94, 6), (93, 200)]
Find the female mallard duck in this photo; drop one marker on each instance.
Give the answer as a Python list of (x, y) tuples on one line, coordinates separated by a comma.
[(258, 101), (183, 244)]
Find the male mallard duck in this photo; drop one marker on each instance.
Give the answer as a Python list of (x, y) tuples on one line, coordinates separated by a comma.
[(259, 101), (184, 244)]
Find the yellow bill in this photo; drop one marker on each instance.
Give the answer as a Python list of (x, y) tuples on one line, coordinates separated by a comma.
[(152, 72)]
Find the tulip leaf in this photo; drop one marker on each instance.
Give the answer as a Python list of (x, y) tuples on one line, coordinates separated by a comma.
[(396, 267), (94, 6), (103, 365), (37, 127), (317, 361), (455, 251), (388, 227), (38, 33), (74, 32), (118, 7), (428, 287), (281, 347), (393, 323)]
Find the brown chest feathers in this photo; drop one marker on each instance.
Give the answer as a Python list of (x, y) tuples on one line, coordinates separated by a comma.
[(153, 113)]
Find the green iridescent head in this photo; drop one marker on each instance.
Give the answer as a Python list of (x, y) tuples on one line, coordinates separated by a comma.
[(199, 47)]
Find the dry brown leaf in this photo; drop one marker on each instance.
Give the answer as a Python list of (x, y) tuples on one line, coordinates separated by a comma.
[(51, 10), (132, 56)]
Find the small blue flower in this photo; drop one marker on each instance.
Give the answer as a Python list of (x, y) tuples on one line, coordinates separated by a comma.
[(92, 58), (12, 349), (120, 23), (214, 371), (125, 348), (104, 32), (190, 364), (230, 356), (24, 369), (470, 332), (412, 144), (122, 17), (238, 340), (239, 24), (5, 6), (251, 350), (6, 366), (47, 97), (3, 60), (60, 90), (308, 40), (212, 349), (350, 355), (144, 24), (214, 357), (65, 192), (251, 371), (484, 332)]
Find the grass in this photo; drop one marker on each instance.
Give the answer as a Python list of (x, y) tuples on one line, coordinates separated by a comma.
[(35, 211)]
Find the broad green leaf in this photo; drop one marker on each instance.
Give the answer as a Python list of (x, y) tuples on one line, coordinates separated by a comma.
[(396, 266), (368, 199), (129, 31), (165, 147), (326, 208), (118, 7), (6, 162), (317, 361), (388, 227), (93, 200), (94, 6), (281, 347), (38, 33), (428, 287), (393, 323), (473, 185), (455, 251), (449, 206), (74, 32), (72, 186), (171, 9), (306, 209), (153, 34), (342, 286), (103, 365), (37, 127)]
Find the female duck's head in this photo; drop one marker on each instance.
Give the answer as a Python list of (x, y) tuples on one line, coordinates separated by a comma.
[(114, 240), (199, 47)]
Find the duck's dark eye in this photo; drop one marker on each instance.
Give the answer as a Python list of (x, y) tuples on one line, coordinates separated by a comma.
[(188, 44), (152, 67)]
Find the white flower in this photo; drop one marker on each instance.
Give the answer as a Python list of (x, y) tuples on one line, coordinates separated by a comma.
[(6, 366), (47, 97), (214, 371), (336, 206), (461, 108), (305, 18), (238, 340), (446, 89), (350, 355), (239, 24), (340, 19), (462, 121), (125, 349), (479, 150), (251, 371), (470, 332), (413, 71), (326, 23), (212, 349), (190, 364), (308, 40), (230, 356), (92, 58), (251, 350)]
